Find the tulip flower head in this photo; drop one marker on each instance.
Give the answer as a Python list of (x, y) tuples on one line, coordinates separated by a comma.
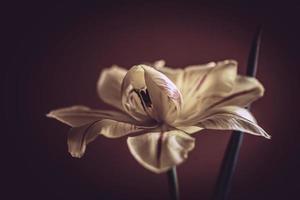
[(160, 108)]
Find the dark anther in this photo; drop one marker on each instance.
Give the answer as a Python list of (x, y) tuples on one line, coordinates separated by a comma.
[(146, 98)]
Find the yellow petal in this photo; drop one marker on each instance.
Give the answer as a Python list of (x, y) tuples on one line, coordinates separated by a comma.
[(148, 93), (245, 91), (188, 78), (174, 74), (159, 64), (79, 137), (159, 151), (189, 129), (80, 115), (132, 84), (199, 81), (229, 118), (109, 85), (219, 80), (211, 80), (165, 97)]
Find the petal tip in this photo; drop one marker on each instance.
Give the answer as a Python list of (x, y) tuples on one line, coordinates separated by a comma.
[(50, 115), (261, 90), (76, 154), (267, 136), (159, 63), (230, 62)]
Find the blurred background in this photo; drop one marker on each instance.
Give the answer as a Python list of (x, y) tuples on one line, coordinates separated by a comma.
[(53, 55)]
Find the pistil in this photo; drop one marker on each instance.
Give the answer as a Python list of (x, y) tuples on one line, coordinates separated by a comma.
[(144, 95)]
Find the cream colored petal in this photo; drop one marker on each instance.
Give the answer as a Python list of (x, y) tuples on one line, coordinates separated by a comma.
[(133, 82), (115, 129), (219, 80), (189, 129), (159, 63), (213, 79), (196, 78), (245, 91), (174, 74), (80, 115), (230, 118), (158, 152), (193, 77), (165, 97), (147, 93), (199, 81), (109, 85), (186, 79), (79, 137)]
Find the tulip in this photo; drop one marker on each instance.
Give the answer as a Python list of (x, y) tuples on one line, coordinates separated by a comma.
[(160, 108)]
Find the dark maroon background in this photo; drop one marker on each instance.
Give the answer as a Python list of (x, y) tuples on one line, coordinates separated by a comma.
[(55, 53)]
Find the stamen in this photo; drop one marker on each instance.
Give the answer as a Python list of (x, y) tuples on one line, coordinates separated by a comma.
[(145, 100), (144, 95)]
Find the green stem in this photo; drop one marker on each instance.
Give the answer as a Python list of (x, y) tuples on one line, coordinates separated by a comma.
[(173, 183), (229, 163)]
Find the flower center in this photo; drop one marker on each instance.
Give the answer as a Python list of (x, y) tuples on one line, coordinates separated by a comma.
[(144, 95), (146, 102), (145, 98)]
